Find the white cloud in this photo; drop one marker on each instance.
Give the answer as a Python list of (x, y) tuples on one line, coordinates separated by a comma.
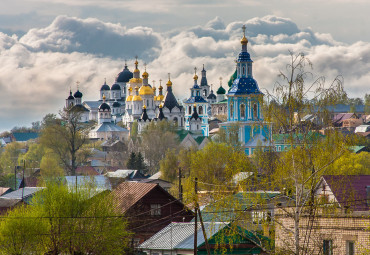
[(38, 69)]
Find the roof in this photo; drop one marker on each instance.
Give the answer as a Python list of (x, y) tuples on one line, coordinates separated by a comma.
[(221, 102), (23, 137), (86, 170), (79, 108), (199, 139), (92, 104), (109, 127), (4, 190), (101, 182), (357, 149), (169, 100), (349, 190), (244, 86), (22, 192), (157, 175), (340, 117), (124, 76), (129, 193), (123, 173), (180, 235)]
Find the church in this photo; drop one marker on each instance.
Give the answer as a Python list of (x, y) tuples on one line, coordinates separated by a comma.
[(244, 111)]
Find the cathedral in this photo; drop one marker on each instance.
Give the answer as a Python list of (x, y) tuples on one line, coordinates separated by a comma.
[(244, 100)]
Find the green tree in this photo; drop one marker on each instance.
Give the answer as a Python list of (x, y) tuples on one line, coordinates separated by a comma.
[(9, 157), (50, 165), (66, 138), (61, 221), (155, 140)]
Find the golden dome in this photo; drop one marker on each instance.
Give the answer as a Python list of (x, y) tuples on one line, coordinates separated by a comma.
[(136, 80), (160, 106), (160, 98), (136, 71), (195, 77), (154, 89), (137, 98), (244, 40), (144, 107), (129, 98), (136, 63), (169, 83), (146, 90), (145, 75)]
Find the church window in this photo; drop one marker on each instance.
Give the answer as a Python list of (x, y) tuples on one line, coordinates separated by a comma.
[(231, 109), (189, 109), (205, 92), (243, 70), (255, 113), (147, 102), (101, 115), (242, 111), (200, 110)]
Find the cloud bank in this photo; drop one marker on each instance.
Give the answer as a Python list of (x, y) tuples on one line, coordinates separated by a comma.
[(38, 68)]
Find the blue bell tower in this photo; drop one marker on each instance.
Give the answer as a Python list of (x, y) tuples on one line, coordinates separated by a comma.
[(244, 100)]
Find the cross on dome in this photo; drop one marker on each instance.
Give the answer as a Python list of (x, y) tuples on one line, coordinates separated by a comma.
[(244, 27)]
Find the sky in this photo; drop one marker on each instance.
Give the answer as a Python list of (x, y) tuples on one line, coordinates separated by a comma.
[(46, 46)]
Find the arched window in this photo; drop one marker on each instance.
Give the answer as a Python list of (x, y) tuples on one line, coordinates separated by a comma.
[(242, 111), (205, 92), (243, 70), (200, 110), (101, 115), (231, 109), (147, 102), (255, 111), (189, 109)]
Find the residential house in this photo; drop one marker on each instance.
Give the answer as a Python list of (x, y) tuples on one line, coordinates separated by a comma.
[(341, 222), (14, 198), (149, 208), (178, 238)]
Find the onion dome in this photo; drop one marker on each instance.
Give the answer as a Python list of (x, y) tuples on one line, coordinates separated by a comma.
[(221, 91), (78, 94), (70, 96), (195, 77), (104, 106), (129, 98), (116, 104), (116, 87), (145, 75), (125, 75), (211, 95), (137, 97), (105, 86), (160, 98), (146, 90), (169, 83)]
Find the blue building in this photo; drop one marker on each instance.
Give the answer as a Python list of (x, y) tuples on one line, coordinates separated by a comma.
[(196, 109), (244, 104)]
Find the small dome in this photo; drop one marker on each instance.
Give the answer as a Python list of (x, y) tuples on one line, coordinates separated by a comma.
[(211, 96), (221, 91), (116, 87), (146, 90), (78, 94), (145, 75), (244, 40), (169, 83), (129, 98), (124, 76), (137, 98), (116, 104), (159, 98), (104, 107), (195, 77), (70, 96), (104, 86)]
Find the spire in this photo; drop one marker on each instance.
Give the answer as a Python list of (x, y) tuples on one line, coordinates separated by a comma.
[(144, 115), (160, 114), (195, 113), (195, 75), (244, 40), (169, 83)]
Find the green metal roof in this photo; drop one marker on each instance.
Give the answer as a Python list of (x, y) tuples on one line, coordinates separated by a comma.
[(23, 137)]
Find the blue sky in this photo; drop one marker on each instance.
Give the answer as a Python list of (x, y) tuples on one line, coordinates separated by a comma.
[(48, 45)]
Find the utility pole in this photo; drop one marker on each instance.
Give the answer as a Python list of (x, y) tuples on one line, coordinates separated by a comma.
[(15, 177), (204, 233), (180, 185), (196, 216)]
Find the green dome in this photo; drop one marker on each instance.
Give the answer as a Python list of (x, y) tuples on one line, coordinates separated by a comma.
[(221, 91)]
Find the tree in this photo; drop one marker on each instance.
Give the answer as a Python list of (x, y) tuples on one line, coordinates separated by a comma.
[(62, 221), (310, 154), (65, 137), (50, 166), (9, 157), (136, 161), (155, 140)]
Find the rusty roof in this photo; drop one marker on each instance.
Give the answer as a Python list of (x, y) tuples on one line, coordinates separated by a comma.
[(129, 193)]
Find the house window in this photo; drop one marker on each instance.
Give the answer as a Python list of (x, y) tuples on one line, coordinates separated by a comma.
[(155, 209), (327, 247), (279, 148), (350, 248)]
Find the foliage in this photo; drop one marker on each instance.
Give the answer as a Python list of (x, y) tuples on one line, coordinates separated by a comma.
[(351, 164), (156, 139), (9, 157), (50, 165), (66, 139), (136, 162), (33, 155), (60, 221)]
